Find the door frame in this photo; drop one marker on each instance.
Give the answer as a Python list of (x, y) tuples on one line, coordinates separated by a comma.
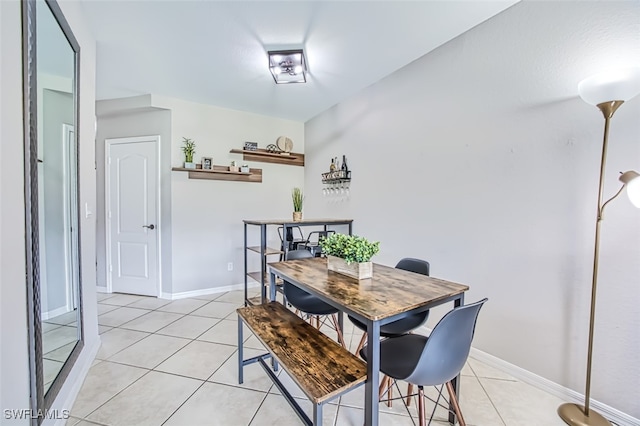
[(69, 160), (108, 143)]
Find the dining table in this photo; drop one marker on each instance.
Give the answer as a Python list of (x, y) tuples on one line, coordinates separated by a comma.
[(389, 295)]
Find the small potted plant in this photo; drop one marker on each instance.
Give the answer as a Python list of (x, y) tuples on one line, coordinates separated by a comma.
[(234, 167), (188, 149), (349, 254), (297, 197)]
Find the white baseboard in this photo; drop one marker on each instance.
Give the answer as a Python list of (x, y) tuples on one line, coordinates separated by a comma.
[(56, 312), (613, 415), (74, 382), (195, 293), (206, 291)]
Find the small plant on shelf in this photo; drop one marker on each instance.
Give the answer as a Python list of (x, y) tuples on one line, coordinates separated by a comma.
[(188, 149), (351, 248), (297, 197)]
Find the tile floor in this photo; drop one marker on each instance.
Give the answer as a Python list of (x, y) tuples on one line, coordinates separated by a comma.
[(174, 363)]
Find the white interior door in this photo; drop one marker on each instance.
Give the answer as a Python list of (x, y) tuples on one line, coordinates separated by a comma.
[(132, 215)]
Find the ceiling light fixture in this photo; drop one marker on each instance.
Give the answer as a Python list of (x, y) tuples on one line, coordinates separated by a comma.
[(288, 66)]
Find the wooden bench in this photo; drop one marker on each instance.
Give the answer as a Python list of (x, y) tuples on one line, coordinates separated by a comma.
[(317, 364)]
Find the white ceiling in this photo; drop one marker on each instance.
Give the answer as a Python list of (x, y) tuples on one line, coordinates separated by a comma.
[(214, 52)]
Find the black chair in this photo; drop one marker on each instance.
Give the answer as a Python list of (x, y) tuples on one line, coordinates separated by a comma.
[(313, 241), (404, 325), (306, 302), (294, 238), (434, 360)]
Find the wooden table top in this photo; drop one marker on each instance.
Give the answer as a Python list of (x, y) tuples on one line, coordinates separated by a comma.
[(389, 292), (291, 222)]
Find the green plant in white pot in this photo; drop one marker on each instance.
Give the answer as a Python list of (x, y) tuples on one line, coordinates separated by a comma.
[(298, 198), (188, 149), (349, 254)]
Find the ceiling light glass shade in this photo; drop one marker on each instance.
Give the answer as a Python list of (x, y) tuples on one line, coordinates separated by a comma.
[(631, 179), (617, 85), (288, 66)]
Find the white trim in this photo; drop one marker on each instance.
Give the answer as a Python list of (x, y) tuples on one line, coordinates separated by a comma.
[(74, 389), (107, 195), (546, 385), (102, 289), (206, 291), (71, 217), (616, 416), (56, 312)]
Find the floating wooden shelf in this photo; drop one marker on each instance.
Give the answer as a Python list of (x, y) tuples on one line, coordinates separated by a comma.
[(223, 173), (292, 159)]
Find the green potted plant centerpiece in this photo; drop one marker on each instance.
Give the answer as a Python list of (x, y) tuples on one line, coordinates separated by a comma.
[(297, 197), (188, 149), (349, 254)]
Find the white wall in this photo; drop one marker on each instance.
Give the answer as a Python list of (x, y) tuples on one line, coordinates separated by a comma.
[(14, 371), (480, 158), (206, 215), (14, 361)]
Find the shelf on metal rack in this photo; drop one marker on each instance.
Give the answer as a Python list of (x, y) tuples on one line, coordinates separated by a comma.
[(268, 250)]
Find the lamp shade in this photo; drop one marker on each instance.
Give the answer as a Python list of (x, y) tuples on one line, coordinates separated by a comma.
[(631, 179), (617, 85)]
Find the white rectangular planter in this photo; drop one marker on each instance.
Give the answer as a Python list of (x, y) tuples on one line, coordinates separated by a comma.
[(355, 270)]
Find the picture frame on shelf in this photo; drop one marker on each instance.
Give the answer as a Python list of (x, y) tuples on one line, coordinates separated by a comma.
[(207, 163), (251, 146)]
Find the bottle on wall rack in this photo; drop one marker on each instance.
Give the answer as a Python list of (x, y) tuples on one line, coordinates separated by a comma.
[(332, 167), (344, 164)]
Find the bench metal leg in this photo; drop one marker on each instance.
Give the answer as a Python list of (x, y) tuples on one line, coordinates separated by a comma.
[(240, 354), (290, 399), (317, 414)]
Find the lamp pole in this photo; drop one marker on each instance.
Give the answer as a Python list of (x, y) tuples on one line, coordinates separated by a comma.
[(574, 414)]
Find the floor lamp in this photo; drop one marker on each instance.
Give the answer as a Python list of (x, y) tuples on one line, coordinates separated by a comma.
[(607, 92)]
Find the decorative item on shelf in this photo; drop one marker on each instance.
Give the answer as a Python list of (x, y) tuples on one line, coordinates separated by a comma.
[(607, 92), (272, 148), (349, 254), (234, 167), (285, 145), (251, 146), (244, 168), (297, 197), (207, 163), (188, 149)]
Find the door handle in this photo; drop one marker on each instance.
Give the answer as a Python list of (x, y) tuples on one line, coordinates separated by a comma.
[(152, 226)]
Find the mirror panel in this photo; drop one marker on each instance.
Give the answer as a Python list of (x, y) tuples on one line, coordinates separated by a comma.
[(51, 63), (57, 203)]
